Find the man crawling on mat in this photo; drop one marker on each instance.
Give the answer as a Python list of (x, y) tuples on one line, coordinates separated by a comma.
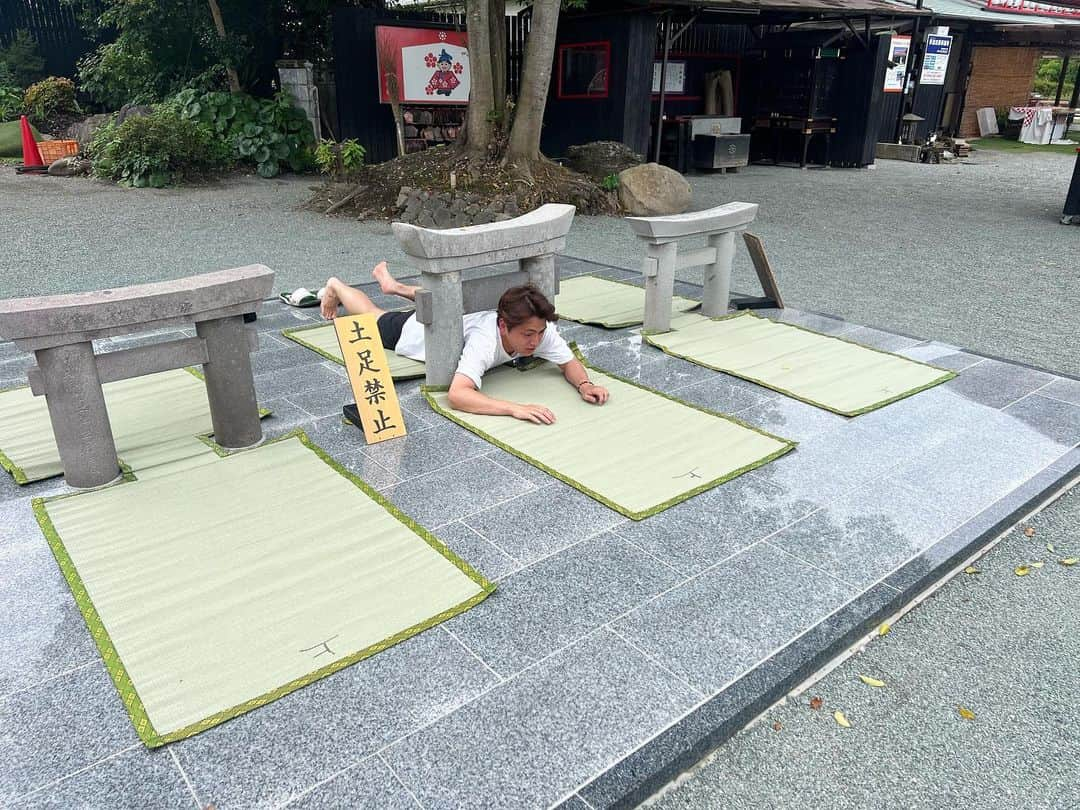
[(522, 326)]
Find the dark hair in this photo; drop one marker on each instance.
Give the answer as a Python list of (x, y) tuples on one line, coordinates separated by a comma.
[(518, 304)]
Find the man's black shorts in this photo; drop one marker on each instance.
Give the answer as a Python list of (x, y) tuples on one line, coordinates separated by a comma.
[(390, 324)]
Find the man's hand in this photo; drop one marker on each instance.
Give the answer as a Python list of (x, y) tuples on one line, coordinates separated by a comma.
[(532, 413), (593, 393)]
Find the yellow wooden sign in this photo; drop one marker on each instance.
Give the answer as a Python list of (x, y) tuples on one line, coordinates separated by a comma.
[(369, 375)]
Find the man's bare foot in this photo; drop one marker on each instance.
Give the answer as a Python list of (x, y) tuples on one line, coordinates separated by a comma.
[(330, 300), (387, 283)]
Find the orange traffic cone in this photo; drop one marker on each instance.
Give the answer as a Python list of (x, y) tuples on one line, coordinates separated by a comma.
[(31, 155)]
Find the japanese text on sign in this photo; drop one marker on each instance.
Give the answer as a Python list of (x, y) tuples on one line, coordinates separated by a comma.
[(369, 376)]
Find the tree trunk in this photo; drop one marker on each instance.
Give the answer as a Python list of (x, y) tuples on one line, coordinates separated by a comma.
[(497, 28), (481, 94), (524, 147), (219, 24)]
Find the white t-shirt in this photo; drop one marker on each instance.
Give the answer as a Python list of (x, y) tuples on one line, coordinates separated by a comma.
[(483, 347)]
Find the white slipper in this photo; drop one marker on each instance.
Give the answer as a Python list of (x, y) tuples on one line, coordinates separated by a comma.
[(302, 297)]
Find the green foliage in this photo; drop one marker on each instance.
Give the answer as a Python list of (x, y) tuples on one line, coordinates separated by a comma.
[(156, 150), (266, 132), (50, 103), (1046, 78), (11, 103), (340, 159), (610, 183), (20, 64)]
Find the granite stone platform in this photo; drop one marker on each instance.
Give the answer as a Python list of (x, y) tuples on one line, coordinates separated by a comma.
[(614, 653)]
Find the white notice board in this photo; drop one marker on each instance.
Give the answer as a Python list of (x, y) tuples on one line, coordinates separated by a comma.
[(674, 79), (936, 59)]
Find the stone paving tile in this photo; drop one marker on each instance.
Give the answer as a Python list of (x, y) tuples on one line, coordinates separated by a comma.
[(10, 491), (427, 450), (971, 470), (367, 470), (543, 521), (669, 374), (998, 384), (267, 756), (282, 318), (520, 468), (323, 402), (725, 394), (278, 359), (532, 740), (941, 355), (878, 339), (556, 601), (1053, 418), (295, 380), (470, 546), (867, 534), (454, 492), (825, 324), (1063, 388), (284, 417), (58, 727), (8, 351), (369, 785), (710, 527), (625, 355), (790, 418), (718, 625), (43, 632), (339, 438), (131, 780)]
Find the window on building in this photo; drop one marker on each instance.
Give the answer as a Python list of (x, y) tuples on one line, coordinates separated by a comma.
[(583, 70)]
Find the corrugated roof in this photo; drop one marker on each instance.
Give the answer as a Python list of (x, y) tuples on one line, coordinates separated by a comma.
[(976, 10)]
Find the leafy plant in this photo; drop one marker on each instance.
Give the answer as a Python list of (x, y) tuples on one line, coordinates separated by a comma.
[(11, 103), (51, 104), (156, 150), (20, 63), (339, 159), (265, 132), (610, 183)]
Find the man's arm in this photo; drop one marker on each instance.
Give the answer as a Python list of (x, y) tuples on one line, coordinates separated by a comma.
[(575, 374), (464, 396)]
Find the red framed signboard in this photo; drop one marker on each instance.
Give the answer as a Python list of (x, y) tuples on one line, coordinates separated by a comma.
[(428, 65), (1033, 8), (583, 70)]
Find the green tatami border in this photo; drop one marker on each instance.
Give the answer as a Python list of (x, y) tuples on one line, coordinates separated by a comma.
[(789, 445), (122, 681), (619, 324), (290, 334), (947, 374)]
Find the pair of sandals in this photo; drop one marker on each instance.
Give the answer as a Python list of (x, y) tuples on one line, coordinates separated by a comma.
[(303, 297)]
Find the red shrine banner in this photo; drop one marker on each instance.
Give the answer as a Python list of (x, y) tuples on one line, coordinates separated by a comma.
[(431, 66)]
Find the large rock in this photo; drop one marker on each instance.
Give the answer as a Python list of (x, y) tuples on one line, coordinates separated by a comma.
[(83, 131), (601, 158), (133, 111), (653, 190)]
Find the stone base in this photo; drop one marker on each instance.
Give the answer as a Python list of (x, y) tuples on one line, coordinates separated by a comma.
[(899, 151), (446, 209)]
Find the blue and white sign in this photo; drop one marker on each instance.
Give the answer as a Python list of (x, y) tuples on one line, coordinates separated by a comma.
[(936, 59)]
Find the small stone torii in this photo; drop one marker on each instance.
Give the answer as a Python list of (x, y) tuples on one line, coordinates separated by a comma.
[(530, 241), (59, 330)]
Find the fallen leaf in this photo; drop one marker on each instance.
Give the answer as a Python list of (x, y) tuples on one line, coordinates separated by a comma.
[(815, 703), (967, 714), (871, 681), (1022, 571), (1037, 564), (840, 719), (1070, 561), (1030, 531), (971, 569), (776, 726), (884, 629), (1050, 547)]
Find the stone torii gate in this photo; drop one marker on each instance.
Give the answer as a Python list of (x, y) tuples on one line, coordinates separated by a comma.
[(59, 329)]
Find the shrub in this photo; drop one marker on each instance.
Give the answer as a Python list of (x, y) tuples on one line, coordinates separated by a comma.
[(268, 133), (156, 150), (20, 63), (51, 104), (11, 103), (339, 159)]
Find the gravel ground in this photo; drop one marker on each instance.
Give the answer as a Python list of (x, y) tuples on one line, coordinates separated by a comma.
[(1003, 646), (969, 254)]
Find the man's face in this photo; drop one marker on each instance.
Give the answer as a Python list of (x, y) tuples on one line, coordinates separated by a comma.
[(525, 337)]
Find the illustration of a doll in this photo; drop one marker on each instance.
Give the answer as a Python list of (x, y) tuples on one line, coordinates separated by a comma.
[(443, 80)]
